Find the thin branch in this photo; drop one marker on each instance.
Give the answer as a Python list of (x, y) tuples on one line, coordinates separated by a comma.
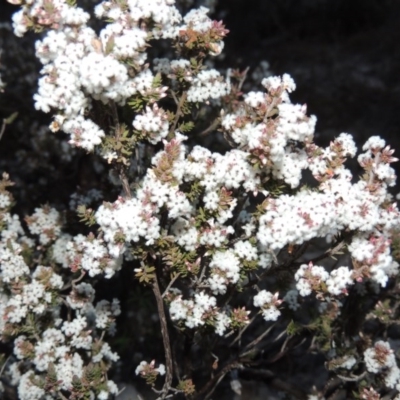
[(121, 168), (4, 365), (3, 128), (171, 283), (353, 378), (121, 391), (270, 108), (298, 253), (230, 333), (212, 127), (280, 335), (371, 173), (125, 182), (165, 337), (200, 278), (282, 351), (211, 384), (62, 396), (174, 97), (329, 252), (243, 78), (209, 394), (249, 348), (240, 333), (178, 112), (7, 121), (74, 281)]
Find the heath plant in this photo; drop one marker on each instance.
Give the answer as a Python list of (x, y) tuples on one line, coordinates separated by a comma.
[(266, 246)]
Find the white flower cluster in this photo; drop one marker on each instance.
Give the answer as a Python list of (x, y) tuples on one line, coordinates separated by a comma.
[(268, 302), (162, 12), (206, 85), (197, 312), (34, 300), (348, 363), (80, 65), (287, 219), (271, 139), (219, 209), (86, 253), (311, 277), (153, 123), (297, 218), (373, 254), (45, 222), (145, 368), (174, 69), (198, 21), (139, 217), (381, 359), (225, 268)]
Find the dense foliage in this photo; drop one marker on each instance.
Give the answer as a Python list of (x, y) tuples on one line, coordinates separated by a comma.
[(253, 241)]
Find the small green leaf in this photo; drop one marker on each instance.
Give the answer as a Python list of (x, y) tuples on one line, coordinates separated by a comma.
[(9, 120)]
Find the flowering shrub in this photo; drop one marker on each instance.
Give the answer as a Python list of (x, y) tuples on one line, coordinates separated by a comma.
[(227, 241)]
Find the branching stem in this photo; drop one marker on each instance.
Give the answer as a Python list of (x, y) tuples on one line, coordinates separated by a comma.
[(165, 337), (178, 112), (121, 168)]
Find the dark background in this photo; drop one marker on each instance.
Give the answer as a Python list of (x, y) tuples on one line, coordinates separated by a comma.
[(344, 56)]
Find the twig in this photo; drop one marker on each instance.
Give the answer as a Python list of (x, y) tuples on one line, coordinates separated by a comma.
[(241, 82), (74, 281), (282, 351), (171, 283), (353, 378), (62, 396), (279, 336), (211, 384), (249, 348), (165, 337), (215, 386), (270, 108), (240, 333), (203, 271), (4, 365), (121, 168), (7, 121), (174, 97), (125, 182), (371, 173), (178, 112), (214, 124), (121, 391), (3, 128), (329, 252)]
